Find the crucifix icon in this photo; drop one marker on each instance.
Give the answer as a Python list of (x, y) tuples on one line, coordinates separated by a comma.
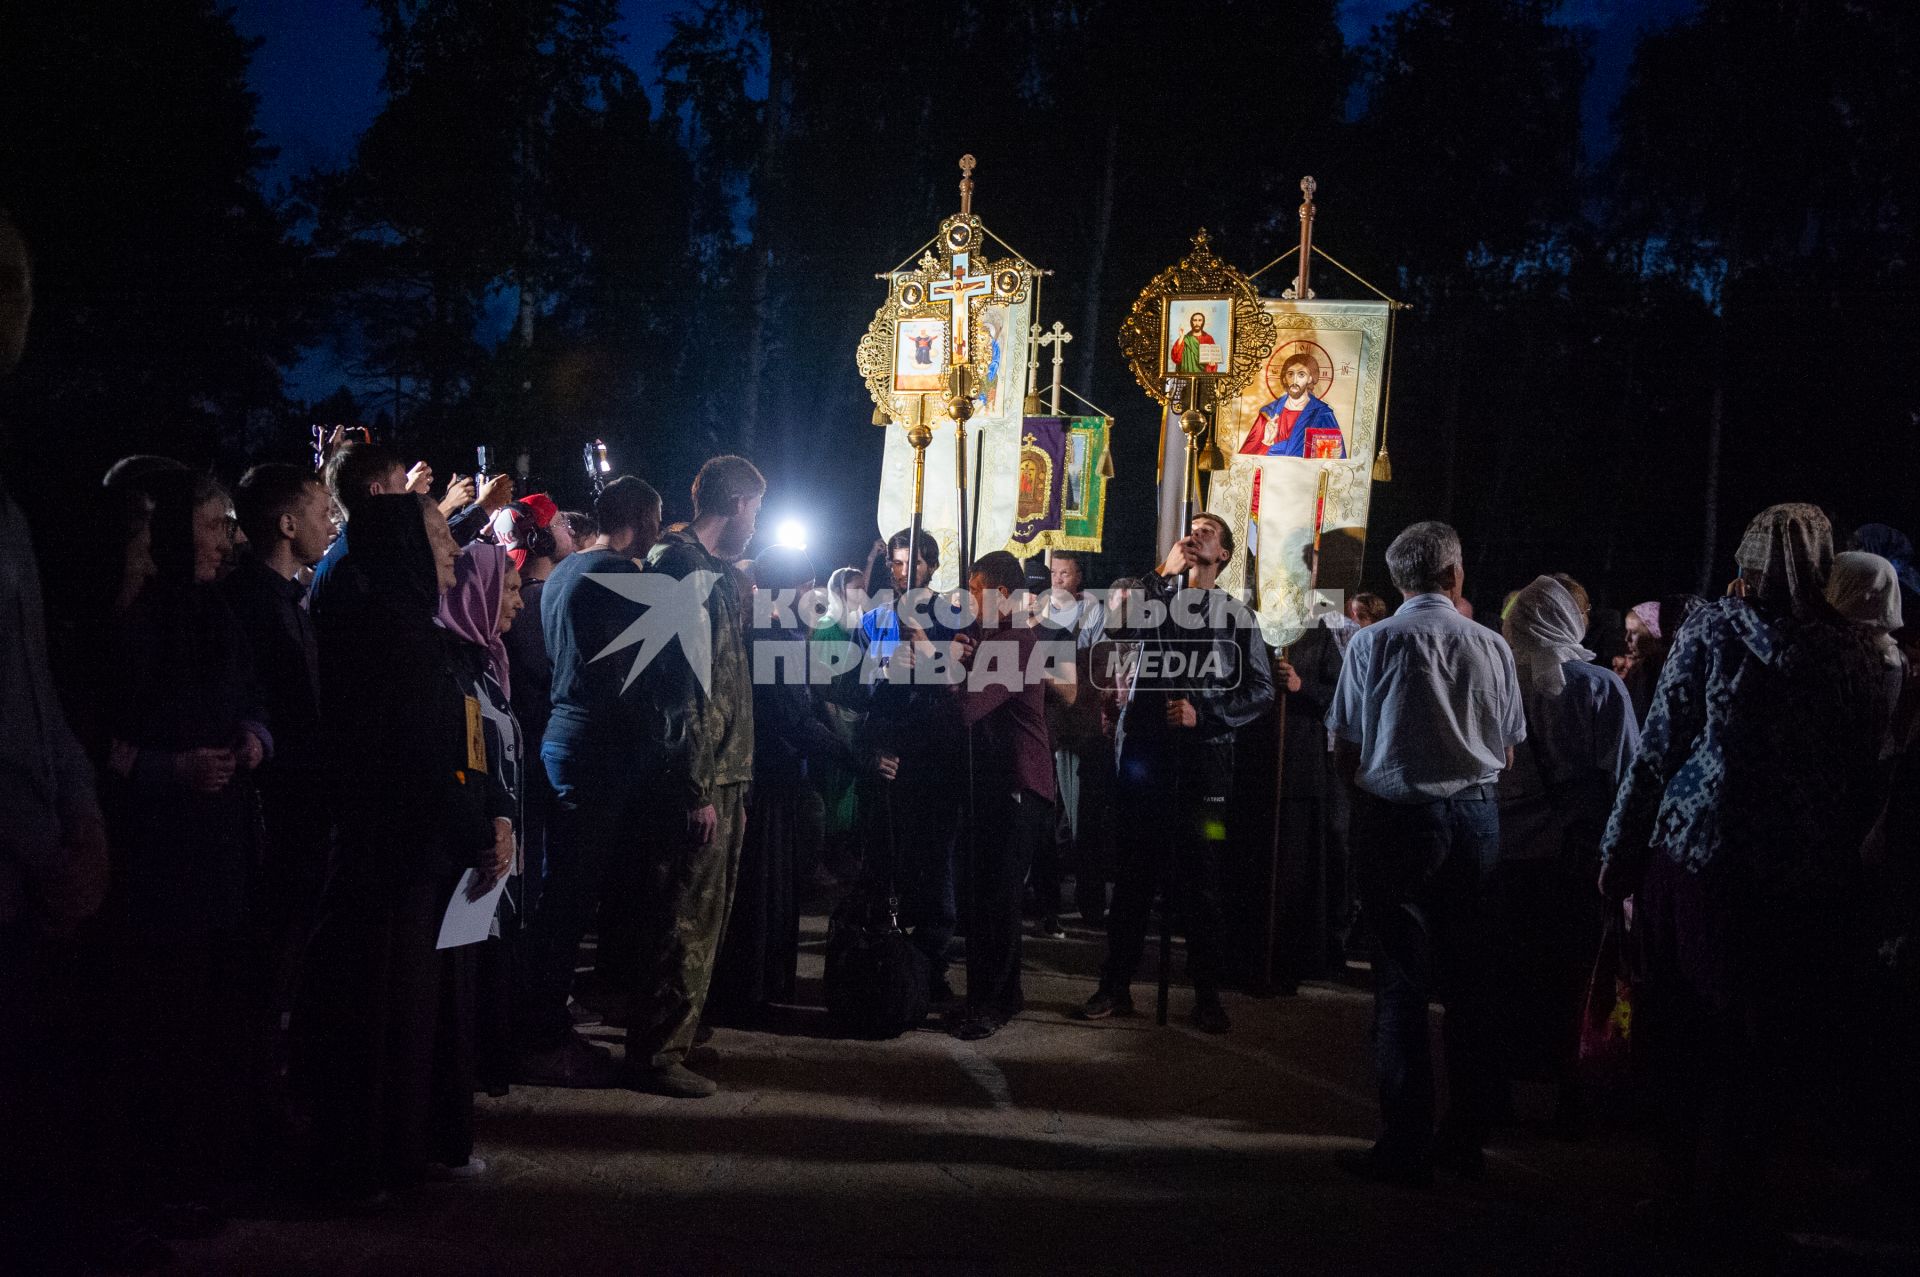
[(1058, 339), (957, 288)]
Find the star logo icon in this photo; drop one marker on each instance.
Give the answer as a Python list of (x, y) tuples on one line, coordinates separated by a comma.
[(673, 609)]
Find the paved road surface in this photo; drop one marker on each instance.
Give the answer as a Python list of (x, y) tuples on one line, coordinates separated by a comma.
[(1054, 1147)]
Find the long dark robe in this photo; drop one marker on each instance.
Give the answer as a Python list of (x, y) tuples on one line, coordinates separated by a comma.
[(760, 953), (488, 968), (187, 961), (1312, 893), (389, 1059)]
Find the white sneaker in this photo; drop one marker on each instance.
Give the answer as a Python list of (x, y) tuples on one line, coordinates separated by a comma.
[(473, 1168)]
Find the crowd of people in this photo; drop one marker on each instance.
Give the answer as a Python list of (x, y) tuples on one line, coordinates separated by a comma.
[(264, 742)]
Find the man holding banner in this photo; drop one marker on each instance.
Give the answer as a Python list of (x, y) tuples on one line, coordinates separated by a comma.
[(1202, 674)]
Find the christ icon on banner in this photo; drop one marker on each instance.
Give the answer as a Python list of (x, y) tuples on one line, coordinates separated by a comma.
[(1299, 423)]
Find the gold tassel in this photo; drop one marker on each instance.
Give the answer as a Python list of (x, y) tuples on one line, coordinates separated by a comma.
[(879, 415), (1106, 462), (1382, 467), (1212, 457), (1032, 406)]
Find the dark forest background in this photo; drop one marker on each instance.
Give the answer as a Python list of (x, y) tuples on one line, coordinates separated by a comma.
[(1611, 363)]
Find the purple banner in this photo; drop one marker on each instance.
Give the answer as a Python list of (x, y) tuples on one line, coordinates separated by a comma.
[(1043, 478)]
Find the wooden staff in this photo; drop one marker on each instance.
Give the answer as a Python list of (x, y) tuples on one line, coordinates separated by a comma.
[(1193, 423), (1307, 187), (960, 409)]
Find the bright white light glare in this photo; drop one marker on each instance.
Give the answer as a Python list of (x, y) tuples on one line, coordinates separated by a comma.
[(791, 533), (605, 465)]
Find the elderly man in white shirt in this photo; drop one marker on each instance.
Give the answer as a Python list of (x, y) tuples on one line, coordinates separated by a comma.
[(1425, 718)]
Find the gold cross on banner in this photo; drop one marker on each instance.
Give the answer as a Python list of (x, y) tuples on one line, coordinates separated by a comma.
[(957, 288)]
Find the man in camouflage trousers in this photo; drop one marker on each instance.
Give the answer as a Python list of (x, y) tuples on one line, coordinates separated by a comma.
[(703, 729)]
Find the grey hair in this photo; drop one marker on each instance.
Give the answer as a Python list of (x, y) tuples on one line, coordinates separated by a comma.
[(1419, 558)]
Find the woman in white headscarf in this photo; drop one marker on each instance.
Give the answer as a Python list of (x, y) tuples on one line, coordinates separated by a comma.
[(1581, 736), (1865, 590)]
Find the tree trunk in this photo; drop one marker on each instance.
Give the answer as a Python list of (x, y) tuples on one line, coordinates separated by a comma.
[(1624, 438), (1102, 225), (1450, 480), (761, 262), (1710, 502), (523, 319)]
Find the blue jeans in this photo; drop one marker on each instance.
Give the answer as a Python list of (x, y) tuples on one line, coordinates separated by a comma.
[(1424, 871), (597, 821)]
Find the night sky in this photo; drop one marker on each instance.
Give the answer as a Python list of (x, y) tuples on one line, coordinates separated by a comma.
[(318, 77), (318, 74)]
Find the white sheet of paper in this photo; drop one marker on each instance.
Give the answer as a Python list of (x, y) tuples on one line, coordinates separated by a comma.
[(469, 921)]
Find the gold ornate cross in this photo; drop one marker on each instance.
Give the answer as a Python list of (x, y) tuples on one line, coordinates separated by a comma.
[(967, 163)]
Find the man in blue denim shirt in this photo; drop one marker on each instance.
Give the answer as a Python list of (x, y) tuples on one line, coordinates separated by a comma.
[(1425, 718)]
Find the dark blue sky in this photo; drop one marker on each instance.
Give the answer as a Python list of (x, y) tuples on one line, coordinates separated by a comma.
[(318, 77), (318, 74)]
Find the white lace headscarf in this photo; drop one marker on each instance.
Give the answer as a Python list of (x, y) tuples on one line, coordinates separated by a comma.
[(1544, 627), (1865, 589)]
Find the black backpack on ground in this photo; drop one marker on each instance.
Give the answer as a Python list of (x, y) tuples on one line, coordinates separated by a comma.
[(876, 980)]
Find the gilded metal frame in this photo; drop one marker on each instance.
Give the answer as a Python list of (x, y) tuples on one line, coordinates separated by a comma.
[(1201, 273), (909, 297)]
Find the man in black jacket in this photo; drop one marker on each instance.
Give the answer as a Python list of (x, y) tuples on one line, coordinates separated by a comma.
[(914, 829), (1202, 673), (283, 511)]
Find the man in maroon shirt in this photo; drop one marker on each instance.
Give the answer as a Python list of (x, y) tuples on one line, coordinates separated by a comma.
[(1003, 701)]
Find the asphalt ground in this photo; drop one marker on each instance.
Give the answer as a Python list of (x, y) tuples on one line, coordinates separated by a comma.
[(1055, 1146)]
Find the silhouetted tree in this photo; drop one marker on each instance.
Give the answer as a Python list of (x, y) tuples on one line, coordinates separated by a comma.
[(168, 297)]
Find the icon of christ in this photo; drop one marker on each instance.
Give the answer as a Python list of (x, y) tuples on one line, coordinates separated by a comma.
[(1195, 350), (1298, 424)]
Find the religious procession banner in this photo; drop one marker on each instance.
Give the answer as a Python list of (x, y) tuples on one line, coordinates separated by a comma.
[(1062, 491), (1083, 512), (950, 341), (1314, 406), (994, 434)]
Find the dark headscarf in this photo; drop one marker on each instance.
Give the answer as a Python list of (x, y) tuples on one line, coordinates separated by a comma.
[(138, 472), (177, 494), (185, 672), (1606, 635), (1788, 549), (387, 542)]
